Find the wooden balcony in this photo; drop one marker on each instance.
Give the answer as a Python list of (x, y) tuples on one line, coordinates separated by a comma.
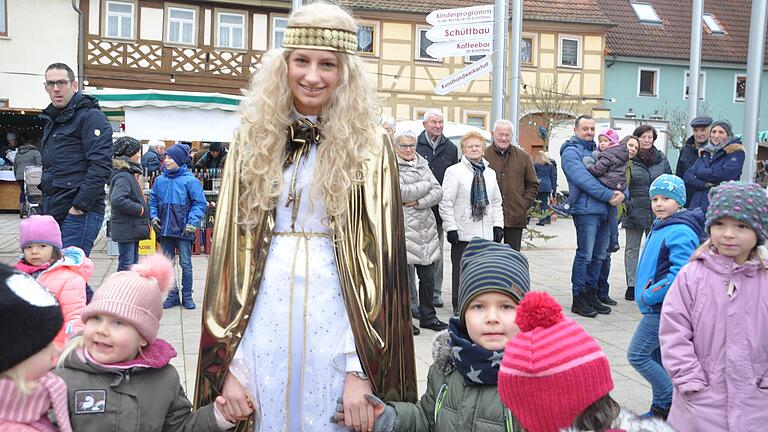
[(151, 64)]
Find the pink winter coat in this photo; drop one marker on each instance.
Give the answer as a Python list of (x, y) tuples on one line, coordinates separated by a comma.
[(715, 346), (66, 280)]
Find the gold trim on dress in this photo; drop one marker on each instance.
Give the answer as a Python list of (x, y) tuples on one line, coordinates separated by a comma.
[(320, 38)]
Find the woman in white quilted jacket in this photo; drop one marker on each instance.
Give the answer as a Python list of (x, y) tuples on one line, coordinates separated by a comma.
[(419, 191), (471, 204)]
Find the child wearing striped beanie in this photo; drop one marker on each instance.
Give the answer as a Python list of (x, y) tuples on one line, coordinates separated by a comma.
[(554, 376), (461, 387)]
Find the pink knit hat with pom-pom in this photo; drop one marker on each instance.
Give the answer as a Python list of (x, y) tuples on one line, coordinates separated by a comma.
[(135, 296), (553, 369)]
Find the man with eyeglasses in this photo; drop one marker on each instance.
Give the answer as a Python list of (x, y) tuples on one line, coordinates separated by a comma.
[(77, 159)]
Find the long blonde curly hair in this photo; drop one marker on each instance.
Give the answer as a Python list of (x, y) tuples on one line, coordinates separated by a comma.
[(347, 129)]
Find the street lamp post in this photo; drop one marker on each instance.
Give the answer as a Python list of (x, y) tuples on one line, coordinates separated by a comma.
[(754, 85), (500, 30)]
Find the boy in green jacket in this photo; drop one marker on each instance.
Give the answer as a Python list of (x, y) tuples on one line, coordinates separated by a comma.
[(461, 386)]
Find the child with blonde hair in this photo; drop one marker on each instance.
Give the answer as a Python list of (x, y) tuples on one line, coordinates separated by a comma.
[(63, 271), (714, 322), (118, 374), (30, 317)]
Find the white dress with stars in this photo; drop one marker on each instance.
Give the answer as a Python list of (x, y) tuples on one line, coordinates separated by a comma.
[(298, 345)]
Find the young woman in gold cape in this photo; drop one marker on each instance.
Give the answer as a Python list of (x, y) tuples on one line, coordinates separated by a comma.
[(306, 298)]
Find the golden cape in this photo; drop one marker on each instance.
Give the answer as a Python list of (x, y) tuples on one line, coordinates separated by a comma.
[(371, 263)]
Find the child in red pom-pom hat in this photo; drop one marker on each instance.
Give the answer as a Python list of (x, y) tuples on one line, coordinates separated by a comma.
[(554, 375)]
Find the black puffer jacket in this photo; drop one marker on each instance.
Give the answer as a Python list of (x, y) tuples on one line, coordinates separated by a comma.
[(639, 214), (77, 157), (130, 212)]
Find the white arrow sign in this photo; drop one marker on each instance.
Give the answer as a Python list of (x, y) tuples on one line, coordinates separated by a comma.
[(467, 15), (464, 32), (460, 48), (469, 73)]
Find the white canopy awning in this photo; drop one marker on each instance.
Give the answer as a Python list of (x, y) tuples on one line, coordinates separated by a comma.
[(171, 115)]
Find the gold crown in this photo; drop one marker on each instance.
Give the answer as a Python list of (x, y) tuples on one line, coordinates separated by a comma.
[(320, 38)]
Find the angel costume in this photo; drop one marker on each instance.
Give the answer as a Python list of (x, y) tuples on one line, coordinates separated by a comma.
[(296, 302)]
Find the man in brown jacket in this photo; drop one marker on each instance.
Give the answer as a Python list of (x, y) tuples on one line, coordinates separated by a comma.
[(517, 181)]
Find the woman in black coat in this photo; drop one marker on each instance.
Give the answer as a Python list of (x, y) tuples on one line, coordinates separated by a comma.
[(130, 211), (648, 164)]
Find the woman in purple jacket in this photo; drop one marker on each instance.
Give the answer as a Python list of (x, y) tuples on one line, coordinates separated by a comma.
[(714, 321)]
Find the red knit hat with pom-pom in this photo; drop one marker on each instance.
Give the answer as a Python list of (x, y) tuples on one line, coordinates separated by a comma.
[(135, 296), (553, 369)]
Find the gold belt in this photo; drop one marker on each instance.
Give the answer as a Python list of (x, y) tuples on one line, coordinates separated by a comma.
[(302, 234)]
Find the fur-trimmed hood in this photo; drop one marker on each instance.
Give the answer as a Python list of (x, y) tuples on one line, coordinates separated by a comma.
[(631, 422), (441, 352)]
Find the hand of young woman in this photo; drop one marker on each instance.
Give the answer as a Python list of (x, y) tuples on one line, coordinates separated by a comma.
[(237, 405), (358, 412)]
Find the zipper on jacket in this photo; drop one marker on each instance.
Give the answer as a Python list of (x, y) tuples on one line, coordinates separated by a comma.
[(440, 399), (642, 293)]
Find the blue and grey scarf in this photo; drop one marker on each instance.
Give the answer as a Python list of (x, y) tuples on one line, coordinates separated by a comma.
[(476, 364), (479, 196)]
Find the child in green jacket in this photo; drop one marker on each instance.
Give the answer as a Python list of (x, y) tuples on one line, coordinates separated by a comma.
[(461, 386)]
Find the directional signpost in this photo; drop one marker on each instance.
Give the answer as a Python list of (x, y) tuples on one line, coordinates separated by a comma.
[(462, 32), (469, 73)]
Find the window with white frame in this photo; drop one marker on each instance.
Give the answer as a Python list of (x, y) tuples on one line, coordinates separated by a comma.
[(3, 18), (231, 30), (119, 20), (648, 82), (279, 24), (702, 84), (181, 25), (713, 24), (645, 12), (570, 52), (422, 43), (740, 88)]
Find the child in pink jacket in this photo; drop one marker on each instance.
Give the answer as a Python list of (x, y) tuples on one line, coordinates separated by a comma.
[(32, 398), (714, 322), (63, 271)]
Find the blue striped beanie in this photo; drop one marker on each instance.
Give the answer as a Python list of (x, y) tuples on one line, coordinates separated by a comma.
[(489, 266)]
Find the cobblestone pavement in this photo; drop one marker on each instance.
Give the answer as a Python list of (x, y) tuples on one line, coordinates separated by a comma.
[(550, 265)]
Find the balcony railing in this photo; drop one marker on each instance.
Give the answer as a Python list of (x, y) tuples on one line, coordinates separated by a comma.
[(156, 57)]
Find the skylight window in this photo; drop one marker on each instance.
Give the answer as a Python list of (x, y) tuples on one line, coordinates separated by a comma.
[(646, 12), (712, 24)]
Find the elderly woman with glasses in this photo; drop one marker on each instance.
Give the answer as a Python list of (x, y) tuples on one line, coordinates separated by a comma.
[(419, 191), (306, 294)]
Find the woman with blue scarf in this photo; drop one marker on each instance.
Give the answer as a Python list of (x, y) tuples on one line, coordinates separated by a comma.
[(471, 204)]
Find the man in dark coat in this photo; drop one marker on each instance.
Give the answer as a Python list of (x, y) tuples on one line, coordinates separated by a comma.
[(77, 159), (441, 153), (152, 160), (690, 150), (214, 158)]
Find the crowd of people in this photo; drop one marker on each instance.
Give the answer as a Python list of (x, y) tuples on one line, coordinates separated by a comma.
[(327, 226)]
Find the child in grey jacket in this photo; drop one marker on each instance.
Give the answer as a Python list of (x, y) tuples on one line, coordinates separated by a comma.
[(118, 373)]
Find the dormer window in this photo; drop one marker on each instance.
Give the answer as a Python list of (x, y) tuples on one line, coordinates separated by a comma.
[(712, 24), (646, 13)]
